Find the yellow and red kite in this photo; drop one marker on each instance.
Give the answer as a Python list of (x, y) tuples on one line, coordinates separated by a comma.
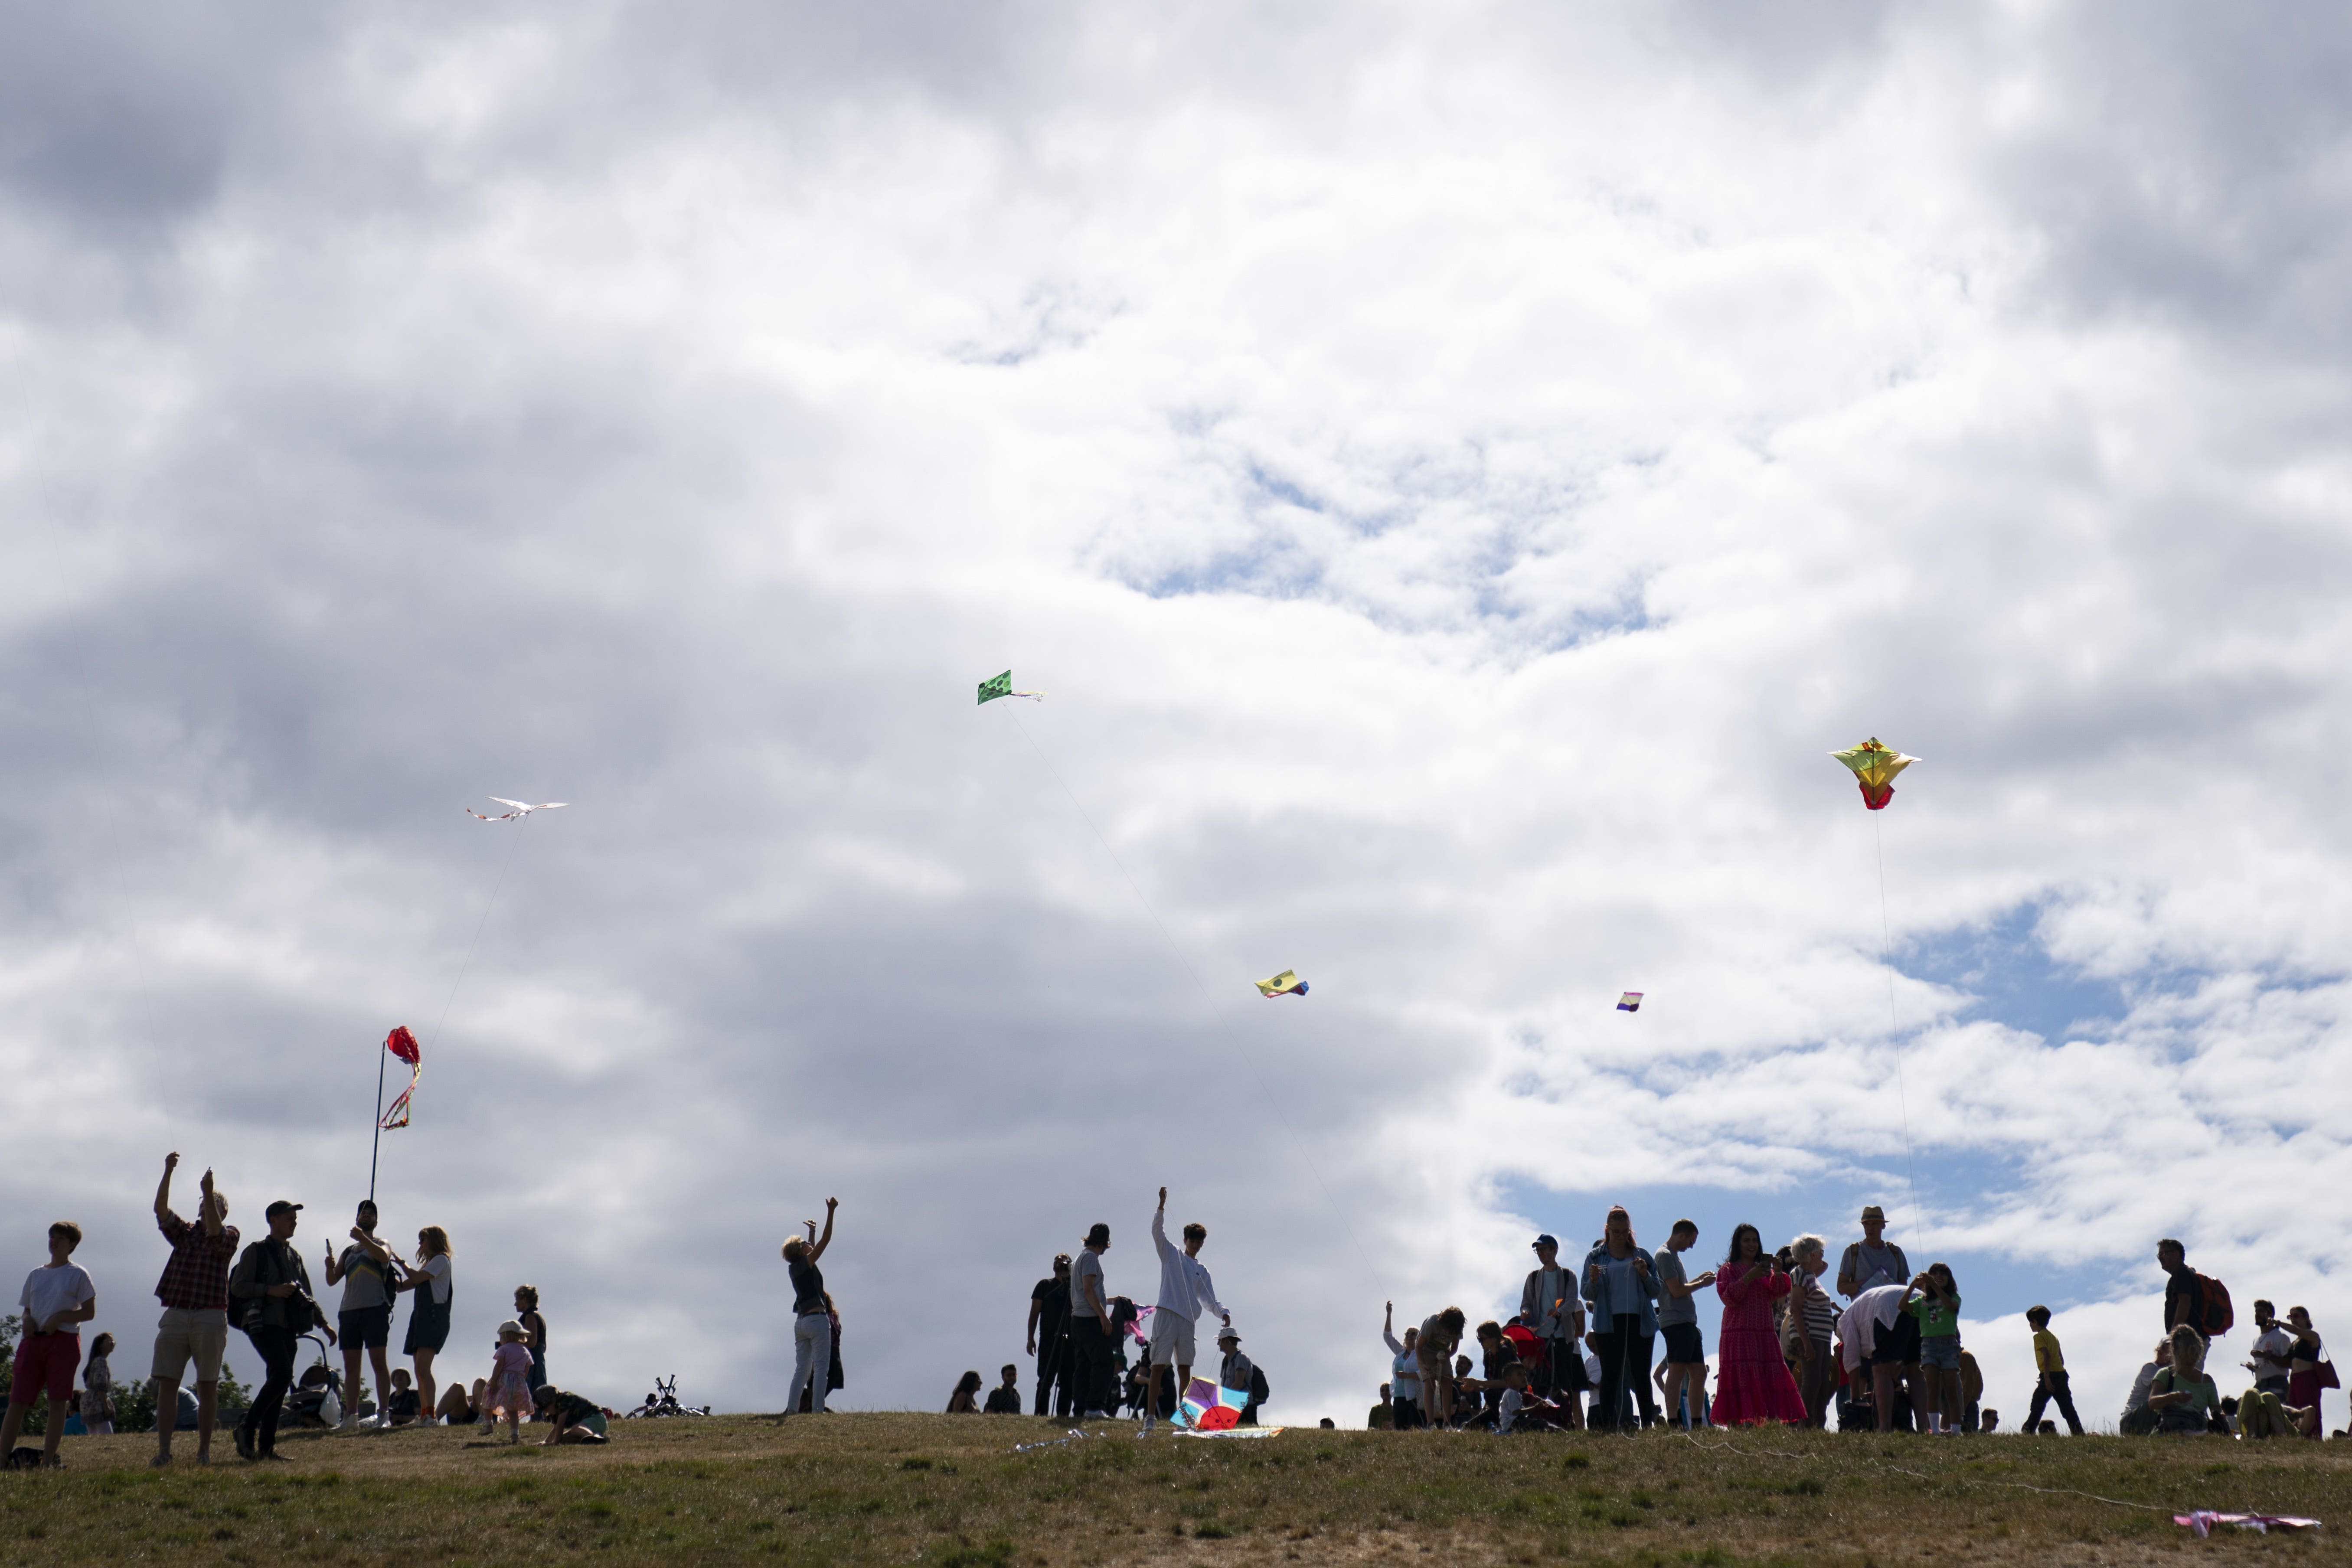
[(1874, 765)]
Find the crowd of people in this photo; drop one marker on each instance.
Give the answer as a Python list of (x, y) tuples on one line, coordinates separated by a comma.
[(262, 1288), (1876, 1345)]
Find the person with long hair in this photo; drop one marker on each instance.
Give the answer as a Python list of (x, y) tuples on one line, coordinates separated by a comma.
[(812, 1323), (965, 1400), (2305, 1385), (1621, 1286), (1751, 1380), (428, 1318), (2181, 1398), (97, 1388), (1440, 1334), (1934, 1299)]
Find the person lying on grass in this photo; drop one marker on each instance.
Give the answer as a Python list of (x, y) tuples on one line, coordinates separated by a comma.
[(574, 1419)]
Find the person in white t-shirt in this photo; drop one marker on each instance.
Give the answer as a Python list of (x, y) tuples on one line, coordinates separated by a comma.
[(2274, 1350), (57, 1299), (1184, 1290)]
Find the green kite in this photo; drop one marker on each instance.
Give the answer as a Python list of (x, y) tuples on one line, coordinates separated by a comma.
[(1001, 686)]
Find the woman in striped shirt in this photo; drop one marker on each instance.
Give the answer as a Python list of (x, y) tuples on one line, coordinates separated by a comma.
[(1816, 1374)]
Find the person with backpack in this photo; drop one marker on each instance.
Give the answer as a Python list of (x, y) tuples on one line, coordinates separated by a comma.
[(1241, 1374), (271, 1290), (1873, 1260), (2198, 1300)]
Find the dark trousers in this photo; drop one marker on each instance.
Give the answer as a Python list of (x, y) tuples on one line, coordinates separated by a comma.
[(1053, 1371), (1816, 1381), (1405, 1413), (1625, 1354), (1090, 1365), (2053, 1386), (277, 1348)]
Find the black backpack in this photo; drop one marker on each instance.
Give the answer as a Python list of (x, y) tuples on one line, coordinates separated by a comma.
[(1260, 1391)]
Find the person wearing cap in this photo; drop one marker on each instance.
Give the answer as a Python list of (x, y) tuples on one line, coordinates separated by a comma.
[(1236, 1371), (1091, 1333), (1184, 1290), (274, 1305), (194, 1294), (1873, 1262), (1549, 1304)]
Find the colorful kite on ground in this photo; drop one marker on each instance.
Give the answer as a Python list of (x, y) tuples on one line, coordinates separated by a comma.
[(1629, 1003), (1286, 983), (1874, 765), (402, 1044), (1209, 1406), (521, 810), (1001, 686)]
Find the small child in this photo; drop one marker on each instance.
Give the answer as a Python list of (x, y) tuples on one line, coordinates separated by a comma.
[(509, 1381), (534, 1330), (1935, 1300), (2051, 1364), (97, 1388), (402, 1411)]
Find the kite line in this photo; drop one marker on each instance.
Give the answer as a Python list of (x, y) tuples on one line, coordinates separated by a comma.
[(1168, 937), (1893, 1032), (520, 817)]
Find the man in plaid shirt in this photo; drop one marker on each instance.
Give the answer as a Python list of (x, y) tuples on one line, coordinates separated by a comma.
[(194, 1293)]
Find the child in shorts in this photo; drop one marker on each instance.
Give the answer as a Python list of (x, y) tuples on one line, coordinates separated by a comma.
[(1935, 1300)]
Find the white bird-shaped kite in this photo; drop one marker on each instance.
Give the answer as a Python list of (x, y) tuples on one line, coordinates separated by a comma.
[(520, 809)]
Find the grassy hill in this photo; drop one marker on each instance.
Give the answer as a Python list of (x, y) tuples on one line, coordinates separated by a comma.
[(949, 1491)]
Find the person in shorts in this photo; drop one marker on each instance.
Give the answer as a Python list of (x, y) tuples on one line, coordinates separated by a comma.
[(572, 1417), (1934, 1302), (57, 1299), (1684, 1372), (194, 1294), (1184, 1290), (365, 1270)]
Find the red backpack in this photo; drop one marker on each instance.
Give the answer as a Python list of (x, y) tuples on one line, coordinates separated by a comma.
[(2214, 1317)]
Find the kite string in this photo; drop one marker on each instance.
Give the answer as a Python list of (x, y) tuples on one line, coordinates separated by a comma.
[(486, 905), (1894, 1031), (1168, 937)]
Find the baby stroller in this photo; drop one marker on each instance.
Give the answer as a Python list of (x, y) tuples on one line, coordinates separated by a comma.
[(317, 1397)]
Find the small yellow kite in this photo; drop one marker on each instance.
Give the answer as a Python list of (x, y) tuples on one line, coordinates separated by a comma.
[(1286, 983), (1874, 765)]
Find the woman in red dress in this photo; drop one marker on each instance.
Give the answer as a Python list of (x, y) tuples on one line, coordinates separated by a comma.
[(1751, 1381)]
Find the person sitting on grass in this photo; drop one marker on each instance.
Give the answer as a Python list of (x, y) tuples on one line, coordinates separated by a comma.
[(962, 1403), (1005, 1399), (2181, 1398), (2146, 1380), (456, 1408), (1988, 1419), (1382, 1418), (400, 1410), (572, 1418)]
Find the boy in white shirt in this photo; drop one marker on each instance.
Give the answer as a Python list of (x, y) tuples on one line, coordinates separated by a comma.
[(57, 1299)]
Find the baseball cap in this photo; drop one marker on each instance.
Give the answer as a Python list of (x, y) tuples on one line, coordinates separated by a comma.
[(279, 1207), (1547, 1239)]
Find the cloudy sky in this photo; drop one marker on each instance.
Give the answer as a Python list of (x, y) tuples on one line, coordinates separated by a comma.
[(1457, 471)]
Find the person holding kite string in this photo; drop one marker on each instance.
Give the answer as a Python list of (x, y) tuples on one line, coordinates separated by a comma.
[(365, 1316), (428, 1319), (811, 1324), (1184, 1290), (194, 1294)]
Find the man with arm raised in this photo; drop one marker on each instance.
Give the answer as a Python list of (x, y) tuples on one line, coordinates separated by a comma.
[(1184, 1290)]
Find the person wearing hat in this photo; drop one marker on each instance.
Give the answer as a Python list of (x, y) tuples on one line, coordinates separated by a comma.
[(1091, 1333), (1873, 1262), (1549, 1304), (1238, 1373), (270, 1289)]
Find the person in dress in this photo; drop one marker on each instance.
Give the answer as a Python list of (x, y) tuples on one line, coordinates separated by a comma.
[(428, 1320), (812, 1323), (2305, 1385), (1751, 1380), (1620, 1287), (97, 1388), (508, 1393), (534, 1330)]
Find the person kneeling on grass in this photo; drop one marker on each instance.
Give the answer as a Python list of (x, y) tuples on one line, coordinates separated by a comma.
[(574, 1419)]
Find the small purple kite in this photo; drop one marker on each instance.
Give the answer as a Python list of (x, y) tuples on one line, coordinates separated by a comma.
[(1629, 1003)]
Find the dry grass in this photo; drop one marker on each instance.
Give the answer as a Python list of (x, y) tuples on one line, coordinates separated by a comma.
[(948, 1491)]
